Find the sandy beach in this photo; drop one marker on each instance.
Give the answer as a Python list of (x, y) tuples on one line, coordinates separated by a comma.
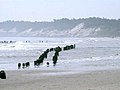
[(50, 80)]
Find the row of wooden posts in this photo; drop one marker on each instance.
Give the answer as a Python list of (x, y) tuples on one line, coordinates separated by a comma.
[(44, 55), (40, 60)]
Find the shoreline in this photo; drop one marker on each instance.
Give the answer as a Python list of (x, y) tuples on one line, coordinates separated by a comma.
[(59, 71), (39, 80)]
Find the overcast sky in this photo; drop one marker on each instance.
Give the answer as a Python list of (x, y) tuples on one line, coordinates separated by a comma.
[(47, 10)]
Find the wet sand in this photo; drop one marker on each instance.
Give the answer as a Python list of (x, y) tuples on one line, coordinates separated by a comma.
[(59, 80)]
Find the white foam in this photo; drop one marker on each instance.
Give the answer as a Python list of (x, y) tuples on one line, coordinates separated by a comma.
[(90, 53)]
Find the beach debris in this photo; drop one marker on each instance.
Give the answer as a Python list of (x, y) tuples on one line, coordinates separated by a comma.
[(2, 74)]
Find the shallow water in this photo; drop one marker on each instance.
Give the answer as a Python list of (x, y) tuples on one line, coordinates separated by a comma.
[(90, 53)]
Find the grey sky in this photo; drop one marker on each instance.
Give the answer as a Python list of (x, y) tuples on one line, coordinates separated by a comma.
[(47, 10)]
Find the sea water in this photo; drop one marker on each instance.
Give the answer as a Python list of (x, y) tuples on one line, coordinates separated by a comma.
[(90, 53)]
